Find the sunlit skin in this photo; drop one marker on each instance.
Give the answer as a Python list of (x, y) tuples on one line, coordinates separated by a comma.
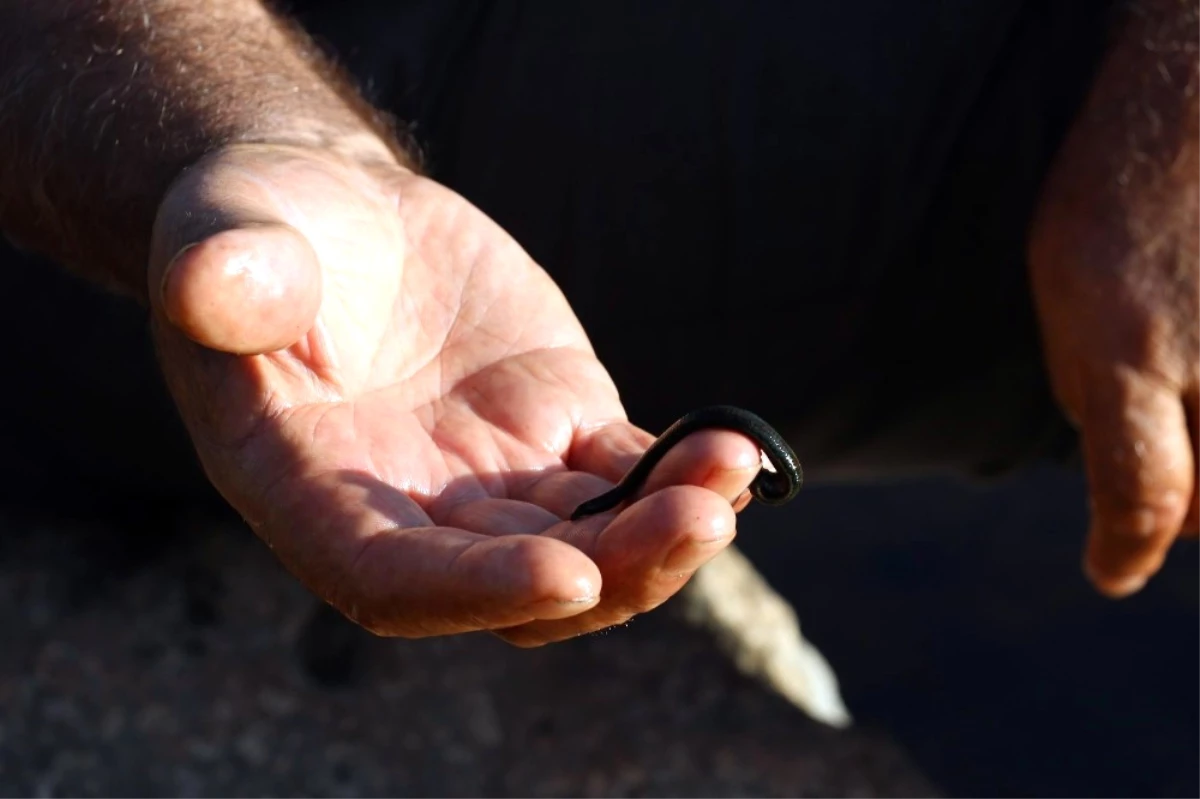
[(1116, 276), (413, 456), (401, 403)]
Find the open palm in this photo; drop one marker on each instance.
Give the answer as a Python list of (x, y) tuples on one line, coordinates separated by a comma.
[(404, 407)]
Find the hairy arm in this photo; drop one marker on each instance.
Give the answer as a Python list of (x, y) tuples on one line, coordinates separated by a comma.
[(104, 102), (1139, 126), (1115, 270)]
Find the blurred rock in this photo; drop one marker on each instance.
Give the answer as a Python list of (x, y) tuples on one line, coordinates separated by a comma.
[(177, 674), (759, 630)]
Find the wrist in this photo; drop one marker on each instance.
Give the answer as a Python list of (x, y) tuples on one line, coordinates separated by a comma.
[(363, 146), (107, 102)]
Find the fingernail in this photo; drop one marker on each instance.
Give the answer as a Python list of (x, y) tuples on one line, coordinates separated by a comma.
[(691, 555), (166, 275), (585, 595), (586, 591), (549, 609)]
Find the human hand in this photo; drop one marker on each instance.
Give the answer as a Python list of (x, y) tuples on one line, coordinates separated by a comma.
[(1119, 320), (1116, 276), (404, 407)]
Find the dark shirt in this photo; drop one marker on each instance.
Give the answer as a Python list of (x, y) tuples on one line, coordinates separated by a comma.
[(813, 210), (816, 210)]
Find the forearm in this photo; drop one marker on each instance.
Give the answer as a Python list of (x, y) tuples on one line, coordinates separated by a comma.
[(104, 102), (1114, 271), (1139, 127)]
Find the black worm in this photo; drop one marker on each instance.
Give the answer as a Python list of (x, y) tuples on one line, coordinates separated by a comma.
[(773, 488)]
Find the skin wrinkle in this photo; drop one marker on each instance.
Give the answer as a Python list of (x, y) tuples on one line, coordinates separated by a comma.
[(477, 325), (323, 414), (336, 592), (461, 477), (324, 356), (252, 461), (454, 321), (470, 338), (461, 389), (247, 449), (413, 372), (410, 310)]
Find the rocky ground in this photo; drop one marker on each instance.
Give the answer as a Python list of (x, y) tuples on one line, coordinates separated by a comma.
[(153, 656), (171, 664)]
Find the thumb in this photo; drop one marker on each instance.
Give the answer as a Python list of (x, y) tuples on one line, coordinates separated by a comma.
[(228, 275)]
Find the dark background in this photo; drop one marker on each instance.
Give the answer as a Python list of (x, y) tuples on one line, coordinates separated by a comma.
[(150, 649), (154, 651), (958, 618)]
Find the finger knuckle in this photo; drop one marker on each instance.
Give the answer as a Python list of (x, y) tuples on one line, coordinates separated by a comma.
[(1141, 510), (1153, 340)]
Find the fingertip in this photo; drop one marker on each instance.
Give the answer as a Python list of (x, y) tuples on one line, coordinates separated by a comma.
[(245, 290), (1141, 476), (1118, 564), (1126, 548), (1113, 587)]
